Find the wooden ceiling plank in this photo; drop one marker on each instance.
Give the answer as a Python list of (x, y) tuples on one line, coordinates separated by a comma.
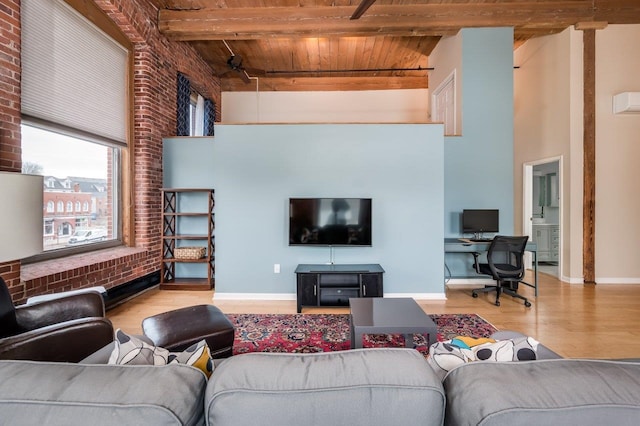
[(324, 50), (408, 20), (617, 11)]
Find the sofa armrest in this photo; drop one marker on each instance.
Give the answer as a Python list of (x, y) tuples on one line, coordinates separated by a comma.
[(39, 393), (553, 391), (83, 305), (70, 341)]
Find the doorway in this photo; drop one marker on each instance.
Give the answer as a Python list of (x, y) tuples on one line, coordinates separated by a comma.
[(542, 212)]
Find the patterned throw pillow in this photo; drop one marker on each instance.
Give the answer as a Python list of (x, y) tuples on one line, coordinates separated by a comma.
[(196, 355), (444, 356), (130, 350)]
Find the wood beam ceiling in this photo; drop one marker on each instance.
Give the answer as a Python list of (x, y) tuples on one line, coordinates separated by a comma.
[(400, 20)]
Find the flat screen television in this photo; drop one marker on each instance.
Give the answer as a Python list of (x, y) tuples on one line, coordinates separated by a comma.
[(330, 221), (477, 221)]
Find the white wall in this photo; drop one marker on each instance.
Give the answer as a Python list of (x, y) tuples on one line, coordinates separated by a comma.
[(372, 106), (543, 102), (617, 155), (549, 123)]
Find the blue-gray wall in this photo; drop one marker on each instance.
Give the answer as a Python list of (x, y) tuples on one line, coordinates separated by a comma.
[(479, 164), (256, 168)]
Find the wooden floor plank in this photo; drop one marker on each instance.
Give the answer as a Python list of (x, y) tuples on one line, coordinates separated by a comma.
[(575, 320)]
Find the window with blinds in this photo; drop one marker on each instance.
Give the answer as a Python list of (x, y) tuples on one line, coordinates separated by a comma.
[(73, 74), (74, 124)]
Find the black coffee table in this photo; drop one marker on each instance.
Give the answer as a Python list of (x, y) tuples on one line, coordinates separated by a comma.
[(377, 315)]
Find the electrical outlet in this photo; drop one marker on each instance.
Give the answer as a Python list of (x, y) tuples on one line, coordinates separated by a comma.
[(276, 268)]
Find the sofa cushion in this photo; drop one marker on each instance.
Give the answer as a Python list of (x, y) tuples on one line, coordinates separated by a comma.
[(555, 391), (390, 386), (39, 393)]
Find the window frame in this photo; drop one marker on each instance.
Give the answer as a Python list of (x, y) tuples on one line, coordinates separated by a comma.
[(117, 184), (122, 160)]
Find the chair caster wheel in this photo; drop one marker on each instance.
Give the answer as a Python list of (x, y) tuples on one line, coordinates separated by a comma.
[(475, 295), (497, 303), (527, 304)]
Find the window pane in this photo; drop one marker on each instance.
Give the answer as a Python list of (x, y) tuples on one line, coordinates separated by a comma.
[(77, 173)]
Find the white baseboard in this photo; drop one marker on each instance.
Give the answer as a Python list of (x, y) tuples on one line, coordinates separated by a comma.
[(292, 296), (604, 280), (254, 296), (418, 296), (468, 282)]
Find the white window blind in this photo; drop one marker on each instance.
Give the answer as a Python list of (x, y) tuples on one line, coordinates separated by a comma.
[(73, 74)]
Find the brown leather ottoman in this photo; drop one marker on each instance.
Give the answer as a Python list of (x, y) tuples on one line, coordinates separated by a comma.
[(177, 330)]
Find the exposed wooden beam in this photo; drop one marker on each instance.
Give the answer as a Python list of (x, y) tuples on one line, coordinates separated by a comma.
[(402, 20), (591, 25), (617, 11), (362, 8), (589, 158), (271, 84)]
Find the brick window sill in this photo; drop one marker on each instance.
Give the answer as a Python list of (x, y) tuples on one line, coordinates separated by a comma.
[(77, 262)]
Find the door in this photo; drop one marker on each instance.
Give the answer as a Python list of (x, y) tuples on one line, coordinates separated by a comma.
[(444, 105), (542, 206)]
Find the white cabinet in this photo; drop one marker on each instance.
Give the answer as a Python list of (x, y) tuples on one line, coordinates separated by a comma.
[(547, 238)]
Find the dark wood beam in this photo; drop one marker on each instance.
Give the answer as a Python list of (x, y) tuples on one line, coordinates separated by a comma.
[(589, 158), (362, 8), (402, 20)]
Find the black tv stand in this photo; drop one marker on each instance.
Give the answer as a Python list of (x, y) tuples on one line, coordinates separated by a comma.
[(334, 284)]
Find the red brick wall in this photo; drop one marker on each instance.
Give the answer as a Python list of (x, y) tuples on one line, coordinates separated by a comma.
[(10, 152), (156, 64)]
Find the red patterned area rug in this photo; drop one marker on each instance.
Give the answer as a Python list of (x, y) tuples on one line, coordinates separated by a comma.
[(330, 332)]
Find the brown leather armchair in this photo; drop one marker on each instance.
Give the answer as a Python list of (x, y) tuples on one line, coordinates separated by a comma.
[(66, 329)]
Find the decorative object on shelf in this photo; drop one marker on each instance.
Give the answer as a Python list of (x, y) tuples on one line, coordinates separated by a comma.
[(190, 253), (183, 210)]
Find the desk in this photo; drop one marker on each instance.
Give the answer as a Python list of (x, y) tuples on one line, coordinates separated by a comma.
[(454, 245)]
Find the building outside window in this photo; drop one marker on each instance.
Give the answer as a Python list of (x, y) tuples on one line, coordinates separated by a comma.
[(77, 172)]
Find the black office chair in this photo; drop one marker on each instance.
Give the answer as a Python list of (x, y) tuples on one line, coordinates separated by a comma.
[(505, 265)]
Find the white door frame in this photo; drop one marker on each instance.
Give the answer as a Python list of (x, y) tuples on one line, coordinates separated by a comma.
[(527, 203), (446, 89)]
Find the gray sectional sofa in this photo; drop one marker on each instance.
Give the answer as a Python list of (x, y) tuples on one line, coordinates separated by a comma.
[(356, 387)]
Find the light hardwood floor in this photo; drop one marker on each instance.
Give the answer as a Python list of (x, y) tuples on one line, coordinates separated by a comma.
[(577, 321)]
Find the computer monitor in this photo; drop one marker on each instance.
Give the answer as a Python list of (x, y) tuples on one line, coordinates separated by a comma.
[(477, 221)]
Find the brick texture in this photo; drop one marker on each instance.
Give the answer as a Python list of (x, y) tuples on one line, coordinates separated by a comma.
[(157, 61)]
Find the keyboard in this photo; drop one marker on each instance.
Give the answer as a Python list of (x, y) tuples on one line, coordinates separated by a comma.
[(476, 240)]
